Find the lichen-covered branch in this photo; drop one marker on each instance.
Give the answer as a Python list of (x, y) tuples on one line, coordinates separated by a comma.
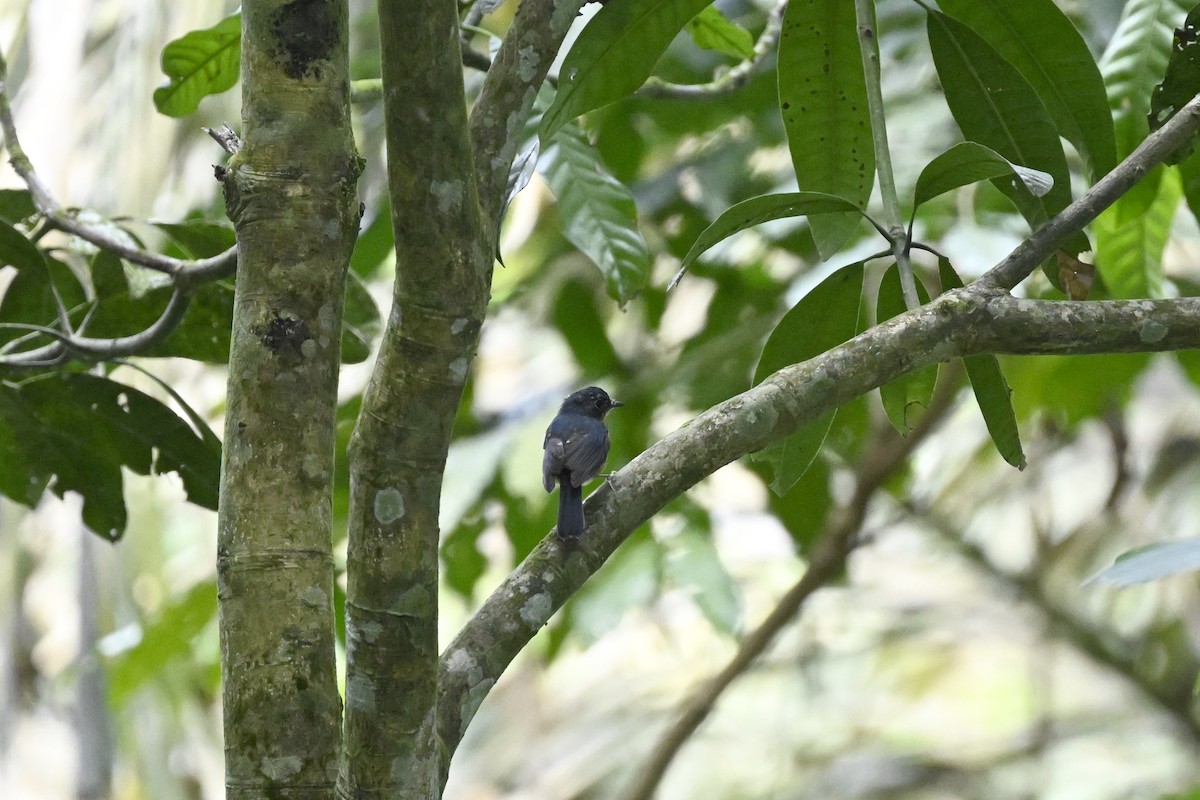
[(398, 451), (291, 193), (959, 323)]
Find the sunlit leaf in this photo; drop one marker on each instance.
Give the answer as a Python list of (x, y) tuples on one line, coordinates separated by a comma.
[(823, 100), (198, 64), (1151, 563), (1131, 236), (824, 318), (712, 30), (614, 55), (597, 214), (969, 162)]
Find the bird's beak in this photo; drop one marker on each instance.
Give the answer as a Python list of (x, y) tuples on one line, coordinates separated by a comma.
[(614, 403)]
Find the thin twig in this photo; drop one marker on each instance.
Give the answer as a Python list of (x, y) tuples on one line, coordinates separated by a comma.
[(184, 273), (729, 82), (887, 454)]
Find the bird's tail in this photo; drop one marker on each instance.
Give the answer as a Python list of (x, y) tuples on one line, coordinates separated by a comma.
[(570, 510)]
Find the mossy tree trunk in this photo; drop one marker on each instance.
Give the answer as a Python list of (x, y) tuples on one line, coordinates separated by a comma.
[(290, 192)]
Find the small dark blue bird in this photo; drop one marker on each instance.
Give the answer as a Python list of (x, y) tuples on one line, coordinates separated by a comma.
[(575, 448)]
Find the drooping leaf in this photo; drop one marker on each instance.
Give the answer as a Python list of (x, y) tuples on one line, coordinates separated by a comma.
[(1151, 563), (758, 210), (712, 30), (990, 389), (693, 564), (1131, 237), (168, 637), (907, 397), (18, 251), (597, 214), (969, 162), (996, 107), (802, 510), (374, 244), (42, 288), (462, 563), (823, 100), (1037, 38), (198, 64), (824, 318), (614, 55)]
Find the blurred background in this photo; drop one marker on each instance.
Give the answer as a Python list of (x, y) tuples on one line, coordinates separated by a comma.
[(958, 655)]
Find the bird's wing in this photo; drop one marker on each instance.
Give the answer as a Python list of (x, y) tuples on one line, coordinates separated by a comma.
[(585, 453)]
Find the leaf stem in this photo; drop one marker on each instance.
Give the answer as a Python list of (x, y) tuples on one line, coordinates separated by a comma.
[(868, 43)]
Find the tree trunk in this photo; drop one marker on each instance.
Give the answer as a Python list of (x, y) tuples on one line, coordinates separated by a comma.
[(290, 192)]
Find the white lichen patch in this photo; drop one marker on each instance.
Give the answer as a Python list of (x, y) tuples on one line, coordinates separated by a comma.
[(1152, 331), (389, 505), (449, 195), (459, 325), (458, 369), (527, 63), (537, 609), (360, 694), (313, 597), (281, 767)]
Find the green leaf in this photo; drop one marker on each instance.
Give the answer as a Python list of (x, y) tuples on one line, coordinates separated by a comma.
[(712, 30), (152, 438), (374, 244), (907, 397), (614, 55), (991, 391), (16, 205), (203, 335), (198, 64), (823, 99), (969, 162), (360, 321), (995, 106), (197, 239), (693, 564), (1131, 236), (803, 509), (1073, 388), (169, 637), (1151, 563), (1037, 38), (765, 208), (824, 318), (17, 251), (597, 214)]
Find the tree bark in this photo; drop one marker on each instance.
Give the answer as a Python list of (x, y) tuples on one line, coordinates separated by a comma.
[(290, 192)]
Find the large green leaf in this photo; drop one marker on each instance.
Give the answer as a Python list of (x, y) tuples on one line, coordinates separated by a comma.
[(991, 391), (1133, 64), (16, 205), (969, 162), (823, 99), (198, 64), (907, 397), (693, 564), (1038, 39), (597, 214), (995, 106), (614, 55), (824, 318), (1151, 562), (1131, 237), (79, 430), (765, 208)]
